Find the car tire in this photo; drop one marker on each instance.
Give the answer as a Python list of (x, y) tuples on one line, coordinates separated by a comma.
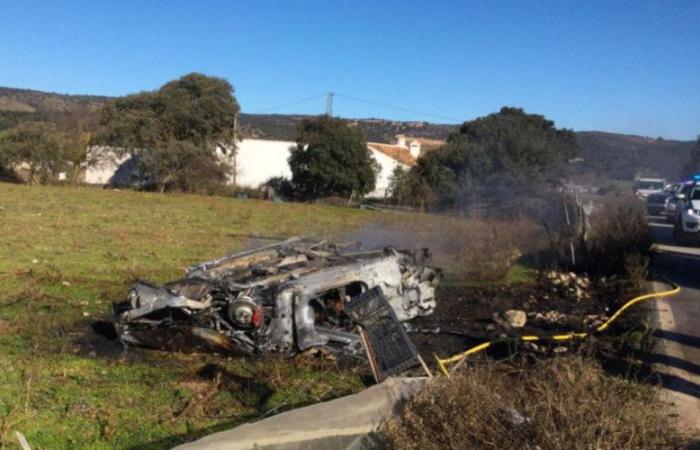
[(678, 236)]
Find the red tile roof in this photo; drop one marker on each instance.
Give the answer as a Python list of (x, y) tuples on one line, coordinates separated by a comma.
[(395, 152)]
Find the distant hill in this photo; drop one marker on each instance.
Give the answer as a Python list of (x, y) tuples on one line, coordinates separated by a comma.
[(280, 126), (605, 155), (624, 157), (29, 101)]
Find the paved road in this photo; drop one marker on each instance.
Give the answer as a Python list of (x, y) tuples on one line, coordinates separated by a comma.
[(678, 360)]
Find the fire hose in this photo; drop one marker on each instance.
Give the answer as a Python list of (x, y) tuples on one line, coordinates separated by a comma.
[(461, 357)]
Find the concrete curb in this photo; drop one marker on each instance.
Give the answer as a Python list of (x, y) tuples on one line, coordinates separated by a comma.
[(343, 423)]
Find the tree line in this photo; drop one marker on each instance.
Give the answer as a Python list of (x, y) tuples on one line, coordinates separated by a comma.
[(182, 137)]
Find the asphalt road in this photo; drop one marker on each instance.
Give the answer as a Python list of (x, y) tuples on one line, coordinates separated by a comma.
[(678, 358)]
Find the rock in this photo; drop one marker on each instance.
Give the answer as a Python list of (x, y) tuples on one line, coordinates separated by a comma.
[(516, 318), (490, 327), (517, 418), (531, 346), (560, 350), (554, 317)]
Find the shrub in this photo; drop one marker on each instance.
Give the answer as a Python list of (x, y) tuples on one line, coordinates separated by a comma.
[(566, 403), (619, 230)]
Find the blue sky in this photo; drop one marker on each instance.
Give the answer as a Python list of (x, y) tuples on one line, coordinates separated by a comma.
[(630, 67)]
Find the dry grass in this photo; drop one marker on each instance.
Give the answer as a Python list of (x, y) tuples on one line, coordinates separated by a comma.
[(567, 403), (619, 232), (473, 250)]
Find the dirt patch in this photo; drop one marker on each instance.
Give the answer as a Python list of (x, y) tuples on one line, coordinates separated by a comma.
[(6, 327), (467, 316), (212, 379)]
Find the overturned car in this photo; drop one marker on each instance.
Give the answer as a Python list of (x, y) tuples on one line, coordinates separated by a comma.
[(286, 297)]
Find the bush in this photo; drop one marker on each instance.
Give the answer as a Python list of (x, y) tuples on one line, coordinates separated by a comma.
[(566, 403), (280, 186), (619, 235)]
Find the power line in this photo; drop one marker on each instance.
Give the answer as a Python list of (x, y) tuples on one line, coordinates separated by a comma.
[(329, 106), (275, 108), (397, 108)]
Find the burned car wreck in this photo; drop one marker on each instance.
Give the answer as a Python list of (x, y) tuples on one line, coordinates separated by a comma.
[(287, 297)]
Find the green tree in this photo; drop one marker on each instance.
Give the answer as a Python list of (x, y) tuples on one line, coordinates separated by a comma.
[(184, 121), (36, 146), (408, 188), (398, 190), (181, 165), (78, 123), (498, 157), (331, 158)]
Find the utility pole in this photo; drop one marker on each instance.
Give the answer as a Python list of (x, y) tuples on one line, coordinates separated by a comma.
[(329, 104)]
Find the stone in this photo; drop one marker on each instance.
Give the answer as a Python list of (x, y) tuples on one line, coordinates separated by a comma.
[(516, 318)]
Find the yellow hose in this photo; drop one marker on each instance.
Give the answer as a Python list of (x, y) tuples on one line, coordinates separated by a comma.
[(442, 363)]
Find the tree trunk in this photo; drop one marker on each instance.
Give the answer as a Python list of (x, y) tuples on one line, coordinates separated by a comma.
[(32, 175)]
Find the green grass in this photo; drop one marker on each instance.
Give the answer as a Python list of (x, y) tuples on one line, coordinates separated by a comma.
[(66, 253)]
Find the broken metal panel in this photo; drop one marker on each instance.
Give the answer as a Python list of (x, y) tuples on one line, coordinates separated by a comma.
[(285, 297), (389, 349)]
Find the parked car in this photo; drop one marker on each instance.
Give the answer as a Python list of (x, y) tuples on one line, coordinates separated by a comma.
[(672, 202), (643, 187), (656, 202), (686, 228)]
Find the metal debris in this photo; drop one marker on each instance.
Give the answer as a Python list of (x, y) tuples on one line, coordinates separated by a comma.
[(286, 297)]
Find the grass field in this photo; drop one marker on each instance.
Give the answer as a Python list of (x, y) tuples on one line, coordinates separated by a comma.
[(66, 253)]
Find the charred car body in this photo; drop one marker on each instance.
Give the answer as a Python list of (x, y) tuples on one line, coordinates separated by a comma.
[(286, 297)]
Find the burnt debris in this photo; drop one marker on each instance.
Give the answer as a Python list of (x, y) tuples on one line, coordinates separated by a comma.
[(286, 297)]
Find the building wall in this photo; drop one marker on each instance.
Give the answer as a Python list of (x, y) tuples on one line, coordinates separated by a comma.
[(102, 165), (258, 160), (387, 166)]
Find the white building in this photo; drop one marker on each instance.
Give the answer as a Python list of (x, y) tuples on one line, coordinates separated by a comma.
[(256, 161), (104, 166)]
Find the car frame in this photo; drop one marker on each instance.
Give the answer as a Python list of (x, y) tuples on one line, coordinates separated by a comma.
[(287, 297)]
